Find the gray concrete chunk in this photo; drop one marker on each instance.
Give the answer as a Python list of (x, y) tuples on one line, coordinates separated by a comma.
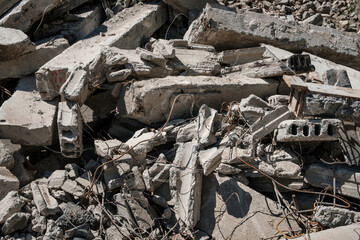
[(45, 203), (76, 87), (226, 29), (7, 151), (29, 63), (137, 99), (17, 221), (14, 43), (8, 182), (10, 204), (25, 119), (125, 30)]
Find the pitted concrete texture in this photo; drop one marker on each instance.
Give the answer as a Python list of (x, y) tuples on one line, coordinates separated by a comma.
[(27, 120), (125, 30), (137, 99), (308, 130), (70, 130), (225, 28), (8, 182), (14, 43)]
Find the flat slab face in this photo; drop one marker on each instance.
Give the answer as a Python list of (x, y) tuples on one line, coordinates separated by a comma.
[(137, 100), (231, 210), (25, 119), (14, 43)]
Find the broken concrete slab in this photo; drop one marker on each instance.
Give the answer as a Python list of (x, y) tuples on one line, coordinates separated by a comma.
[(142, 217), (229, 29), (144, 141), (163, 48), (29, 63), (14, 43), (241, 56), (308, 130), (26, 13), (73, 188), (206, 124), (269, 122), (347, 182), (125, 30), (107, 149), (185, 184), (8, 182), (210, 159), (7, 151), (322, 65), (10, 204), (229, 209), (252, 108), (25, 119), (76, 87), (57, 179), (70, 129), (346, 232), (45, 203), (335, 217), (137, 98), (16, 222)]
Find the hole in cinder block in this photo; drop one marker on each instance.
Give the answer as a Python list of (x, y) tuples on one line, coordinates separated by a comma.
[(294, 129), (67, 134), (306, 130), (331, 130), (68, 153), (68, 146), (317, 129)]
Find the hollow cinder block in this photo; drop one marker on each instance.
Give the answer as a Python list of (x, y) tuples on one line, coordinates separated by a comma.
[(306, 130)]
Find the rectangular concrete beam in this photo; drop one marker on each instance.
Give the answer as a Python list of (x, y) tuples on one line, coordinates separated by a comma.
[(125, 30), (29, 63), (347, 179), (27, 120), (226, 29), (137, 99)]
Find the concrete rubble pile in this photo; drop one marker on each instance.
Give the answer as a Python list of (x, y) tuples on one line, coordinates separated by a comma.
[(179, 119)]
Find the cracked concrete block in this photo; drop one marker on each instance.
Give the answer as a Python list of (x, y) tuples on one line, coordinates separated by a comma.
[(70, 130), (185, 184), (231, 155), (252, 108), (333, 217), (347, 182), (76, 87), (16, 222), (241, 56), (126, 30), (228, 29), (119, 76), (281, 169), (186, 133), (144, 141), (123, 210), (7, 151), (154, 58), (137, 99), (45, 203), (210, 159), (142, 217), (308, 130), (14, 43), (26, 13), (107, 149), (346, 109), (270, 122), (29, 63), (156, 175), (163, 48), (226, 203), (112, 177), (25, 119), (322, 65), (8, 182), (265, 68), (195, 61), (227, 169), (73, 188), (10, 204), (85, 181), (206, 123), (57, 179), (337, 78)]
